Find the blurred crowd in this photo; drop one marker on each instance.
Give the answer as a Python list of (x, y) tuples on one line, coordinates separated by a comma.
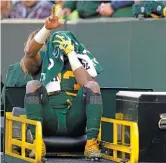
[(73, 10)]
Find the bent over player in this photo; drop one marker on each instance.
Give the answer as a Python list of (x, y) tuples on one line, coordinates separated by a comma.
[(67, 100)]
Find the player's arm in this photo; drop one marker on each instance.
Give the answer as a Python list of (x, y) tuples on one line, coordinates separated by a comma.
[(80, 73), (33, 46)]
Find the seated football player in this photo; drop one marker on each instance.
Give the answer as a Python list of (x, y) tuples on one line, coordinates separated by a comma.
[(67, 100)]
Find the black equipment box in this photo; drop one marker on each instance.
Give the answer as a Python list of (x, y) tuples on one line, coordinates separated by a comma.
[(148, 109)]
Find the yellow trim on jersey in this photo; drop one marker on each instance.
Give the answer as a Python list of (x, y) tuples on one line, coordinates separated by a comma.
[(71, 94), (68, 101), (60, 76), (68, 74), (76, 87)]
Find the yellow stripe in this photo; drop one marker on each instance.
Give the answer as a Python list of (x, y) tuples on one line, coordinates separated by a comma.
[(60, 76), (164, 12), (76, 87), (155, 16), (9, 141), (71, 94), (68, 74), (68, 101), (119, 116)]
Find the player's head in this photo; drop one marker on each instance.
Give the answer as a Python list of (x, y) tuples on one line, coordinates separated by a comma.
[(31, 64)]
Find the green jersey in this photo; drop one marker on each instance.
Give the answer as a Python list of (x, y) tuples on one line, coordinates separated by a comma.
[(57, 75), (16, 77)]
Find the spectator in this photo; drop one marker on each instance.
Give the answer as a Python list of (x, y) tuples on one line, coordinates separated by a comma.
[(154, 9), (58, 7), (6, 8), (87, 9), (60, 2), (59, 11), (116, 8), (14, 1), (32, 9)]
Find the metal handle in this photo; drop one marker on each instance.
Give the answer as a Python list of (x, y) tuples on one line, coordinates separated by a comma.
[(162, 122)]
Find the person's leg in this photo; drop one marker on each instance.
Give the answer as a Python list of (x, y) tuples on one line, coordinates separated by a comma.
[(50, 122), (37, 108), (85, 113), (76, 117), (94, 110), (93, 99), (33, 103), (33, 108)]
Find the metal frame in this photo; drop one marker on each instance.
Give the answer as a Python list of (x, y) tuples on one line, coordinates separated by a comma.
[(132, 149), (9, 141)]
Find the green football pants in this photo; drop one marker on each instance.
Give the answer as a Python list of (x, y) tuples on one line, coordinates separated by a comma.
[(81, 116)]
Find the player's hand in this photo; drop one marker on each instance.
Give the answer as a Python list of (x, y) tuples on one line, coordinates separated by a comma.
[(52, 22), (105, 9), (64, 45)]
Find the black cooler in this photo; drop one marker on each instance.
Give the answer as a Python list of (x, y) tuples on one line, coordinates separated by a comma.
[(148, 109)]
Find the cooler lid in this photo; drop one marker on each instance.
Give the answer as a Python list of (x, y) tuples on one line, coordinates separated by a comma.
[(134, 94)]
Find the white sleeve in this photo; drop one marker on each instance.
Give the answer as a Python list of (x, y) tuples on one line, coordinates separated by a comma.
[(88, 65)]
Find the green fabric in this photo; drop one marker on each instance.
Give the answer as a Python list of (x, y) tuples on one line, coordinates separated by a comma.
[(76, 117), (59, 118), (147, 8), (55, 111), (34, 112), (59, 106), (69, 117), (67, 84), (16, 78), (123, 12), (42, 54), (94, 114), (85, 9), (51, 114), (73, 16), (53, 61), (70, 4)]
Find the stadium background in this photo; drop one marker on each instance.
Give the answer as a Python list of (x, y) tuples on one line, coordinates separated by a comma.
[(132, 52)]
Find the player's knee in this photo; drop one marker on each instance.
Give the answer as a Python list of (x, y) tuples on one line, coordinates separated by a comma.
[(93, 85), (91, 92), (32, 86), (33, 95), (36, 93)]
